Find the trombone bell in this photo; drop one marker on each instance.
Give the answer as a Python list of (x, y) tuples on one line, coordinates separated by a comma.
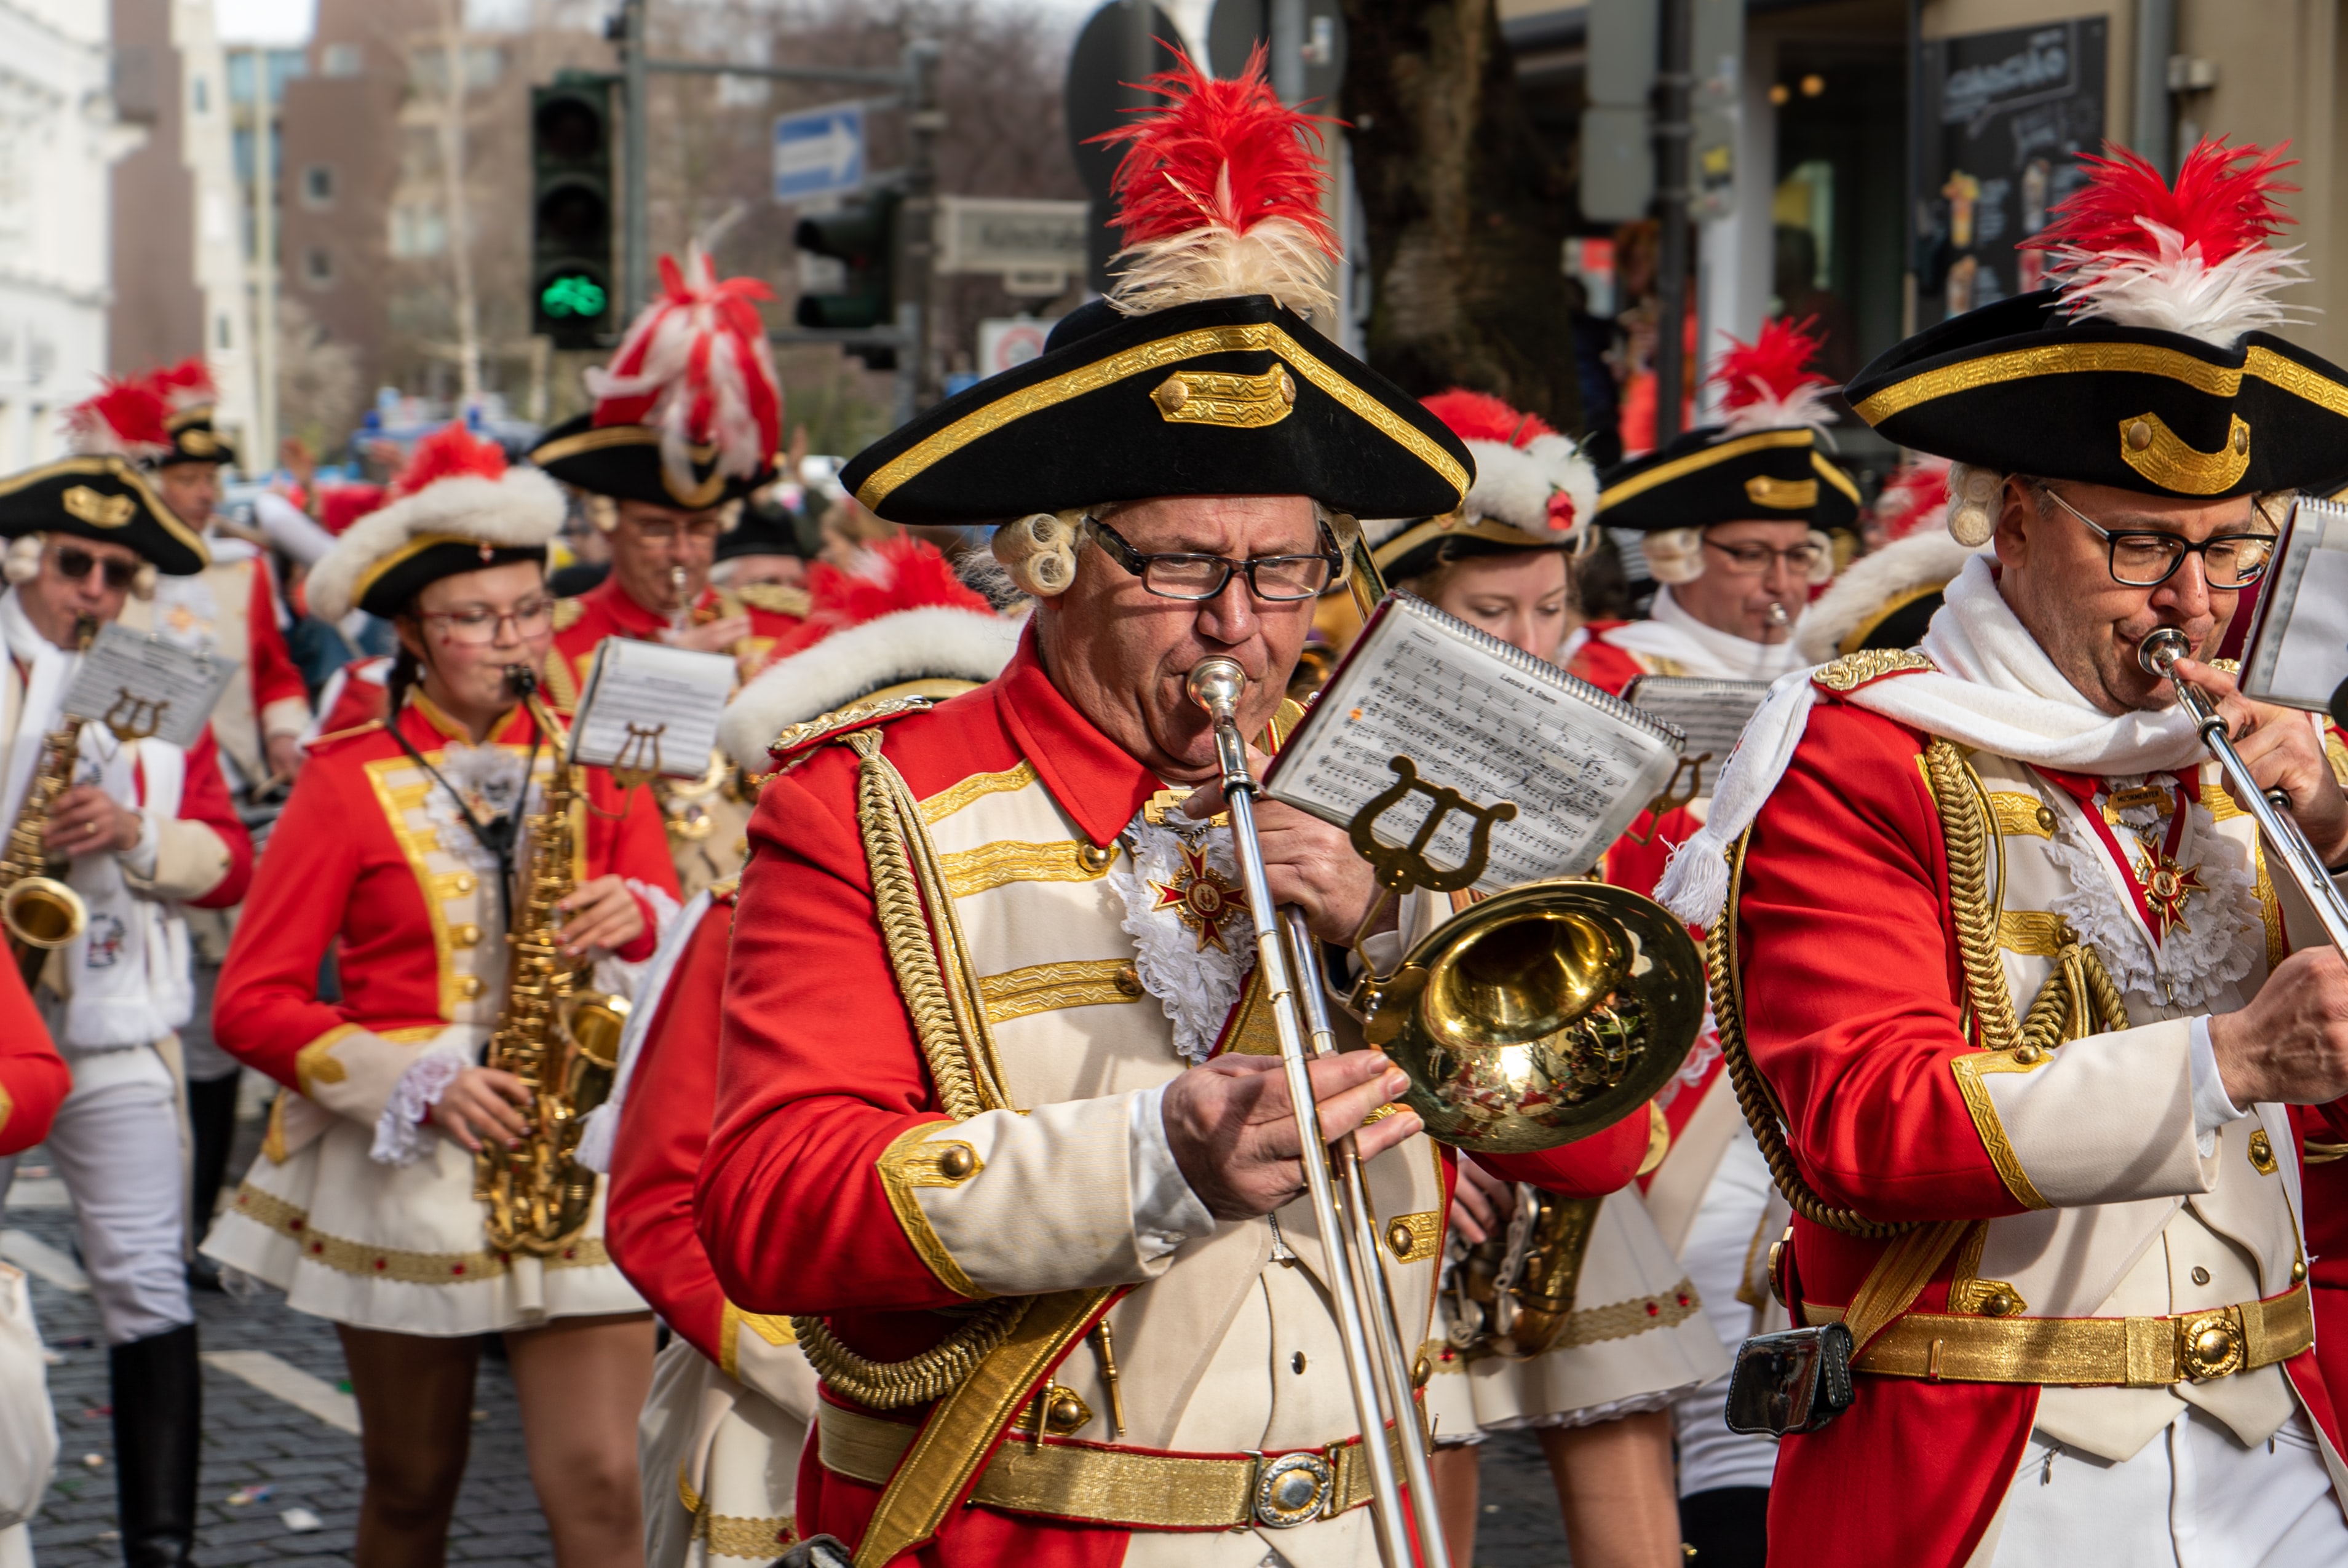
[(1541, 1016)]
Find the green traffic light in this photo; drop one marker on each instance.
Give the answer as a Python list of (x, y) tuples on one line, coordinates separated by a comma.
[(573, 294)]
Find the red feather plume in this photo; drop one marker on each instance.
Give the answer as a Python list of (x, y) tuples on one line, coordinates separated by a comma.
[(127, 417), (694, 367), (1772, 367), (900, 573), (1913, 497), (1223, 152), (1481, 417), (449, 452), (186, 385), (339, 506), (2224, 201)]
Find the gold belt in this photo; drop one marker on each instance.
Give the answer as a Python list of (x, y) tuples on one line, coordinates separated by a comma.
[(2126, 1352), (1131, 1488)]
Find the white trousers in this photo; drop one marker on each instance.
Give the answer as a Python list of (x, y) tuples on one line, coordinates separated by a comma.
[(1719, 1239), (117, 1147), (2193, 1497)]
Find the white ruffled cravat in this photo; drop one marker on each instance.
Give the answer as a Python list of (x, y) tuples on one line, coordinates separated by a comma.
[(1671, 633), (1993, 690)]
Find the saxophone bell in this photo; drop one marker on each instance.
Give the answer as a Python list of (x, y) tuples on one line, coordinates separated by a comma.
[(37, 911)]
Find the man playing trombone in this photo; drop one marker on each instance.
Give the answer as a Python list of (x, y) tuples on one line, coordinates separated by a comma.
[(999, 1113), (2026, 1000)]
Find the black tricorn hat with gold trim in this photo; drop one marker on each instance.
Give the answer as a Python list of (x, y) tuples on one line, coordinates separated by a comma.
[(189, 397), (1766, 460), (101, 496), (688, 412), (2148, 366), (1199, 374)]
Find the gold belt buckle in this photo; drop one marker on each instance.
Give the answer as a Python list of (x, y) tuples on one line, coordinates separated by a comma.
[(2211, 1343), (1292, 1489)]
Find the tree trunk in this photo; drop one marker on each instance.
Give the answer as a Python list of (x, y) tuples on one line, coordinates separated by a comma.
[(1466, 211)]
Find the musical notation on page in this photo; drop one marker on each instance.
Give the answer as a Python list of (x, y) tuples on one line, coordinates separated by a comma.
[(649, 709)]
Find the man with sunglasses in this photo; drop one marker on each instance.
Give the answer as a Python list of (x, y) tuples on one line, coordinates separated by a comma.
[(2035, 1014), (664, 509), (142, 832), (998, 1108)]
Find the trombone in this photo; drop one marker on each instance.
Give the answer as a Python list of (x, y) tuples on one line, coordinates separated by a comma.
[(2158, 654), (1292, 982)]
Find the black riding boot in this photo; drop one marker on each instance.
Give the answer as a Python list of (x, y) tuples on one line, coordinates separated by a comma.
[(158, 1414)]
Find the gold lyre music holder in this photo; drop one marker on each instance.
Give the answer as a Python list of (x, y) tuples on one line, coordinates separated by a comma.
[(1401, 868), (133, 717), (1665, 802), (639, 761)]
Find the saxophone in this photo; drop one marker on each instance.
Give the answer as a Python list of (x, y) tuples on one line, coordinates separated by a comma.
[(561, 1041), (38, 910)]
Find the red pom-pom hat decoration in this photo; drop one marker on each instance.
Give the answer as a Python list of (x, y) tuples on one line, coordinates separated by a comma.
[(1768, 384), (1219, 194), (1527, 476), (449, 452), (695, 367), (1915, 498), (187, 384), (2192, 258), (129, 419)]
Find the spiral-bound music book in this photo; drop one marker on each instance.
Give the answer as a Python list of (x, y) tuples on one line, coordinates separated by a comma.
[(1489, 720), (1710, 713), (650, 709)]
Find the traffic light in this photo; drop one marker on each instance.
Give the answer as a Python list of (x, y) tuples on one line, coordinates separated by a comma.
[(862, 237), (571, 211)]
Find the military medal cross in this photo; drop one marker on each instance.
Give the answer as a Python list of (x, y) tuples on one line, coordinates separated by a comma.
[(1201, 898)]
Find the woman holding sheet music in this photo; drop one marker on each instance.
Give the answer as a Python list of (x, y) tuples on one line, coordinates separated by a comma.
[(400, 843), (1599, 1397)]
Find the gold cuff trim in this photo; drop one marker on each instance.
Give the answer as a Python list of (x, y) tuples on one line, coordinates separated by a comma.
[(1046, 987), (1969, 1069), (368, 1262), (1163, 353), (911, 1161), (2092, 358), (991, 866), (937, 807), (2090, 1352), (315, 1063), (2150, 446)]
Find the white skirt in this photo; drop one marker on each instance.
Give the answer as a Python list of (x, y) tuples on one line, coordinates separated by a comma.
[(403, 1248), (720, 1463), (1637, 1337)]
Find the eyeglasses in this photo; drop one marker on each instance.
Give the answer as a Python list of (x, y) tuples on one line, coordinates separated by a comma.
[(478, 626), (1278, 578), (73, 562), (2147, 560), (1754, 560), (698, 530)]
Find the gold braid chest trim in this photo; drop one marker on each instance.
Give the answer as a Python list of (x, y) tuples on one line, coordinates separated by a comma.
[(941, 996)]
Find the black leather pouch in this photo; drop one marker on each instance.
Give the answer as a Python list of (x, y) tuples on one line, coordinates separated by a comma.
[(1796, 1381), (816, 1551)]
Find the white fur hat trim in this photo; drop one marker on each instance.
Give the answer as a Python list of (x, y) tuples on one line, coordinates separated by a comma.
[(1923, 559), (521, 510), (906, 644), (1513, 486)]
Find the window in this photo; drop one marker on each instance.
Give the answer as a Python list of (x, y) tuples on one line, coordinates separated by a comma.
[(199, 88), (318, 267), (318, 185), (221, 336), (342, 60), (418, 229)]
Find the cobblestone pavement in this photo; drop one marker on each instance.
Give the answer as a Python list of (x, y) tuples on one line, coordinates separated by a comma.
[(255, 1439)]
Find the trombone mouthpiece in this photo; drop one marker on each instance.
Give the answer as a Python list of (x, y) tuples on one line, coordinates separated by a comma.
[(1777, 617), (1216, 685), (2161, 650)]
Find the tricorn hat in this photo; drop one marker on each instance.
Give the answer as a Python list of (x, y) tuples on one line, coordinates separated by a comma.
[(765, 528), (189, 397), (687, 412), (1766, 460), (1199, 374), (456, 507), (1533, 490), (2149, 366), (101, 496)]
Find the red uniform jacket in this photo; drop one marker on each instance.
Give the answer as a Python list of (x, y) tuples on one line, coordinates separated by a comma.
[(818, 1071), (1852, 994), (34, 1079), (335, 871), (606, 611), (269, 663), (648, 1206), (1628, 863)]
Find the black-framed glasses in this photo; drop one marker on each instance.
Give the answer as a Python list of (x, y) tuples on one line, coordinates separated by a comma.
[(2145, 559), (1755, 559), (73, 562), (1278, 578)]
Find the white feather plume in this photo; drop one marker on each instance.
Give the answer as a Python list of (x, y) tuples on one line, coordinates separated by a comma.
[(1277, 256), (2176, 291)]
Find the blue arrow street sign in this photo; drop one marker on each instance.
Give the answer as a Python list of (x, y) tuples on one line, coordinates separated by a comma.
[(819, 152)]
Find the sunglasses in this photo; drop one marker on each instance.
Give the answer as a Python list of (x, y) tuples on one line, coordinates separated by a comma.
[(74, 563)]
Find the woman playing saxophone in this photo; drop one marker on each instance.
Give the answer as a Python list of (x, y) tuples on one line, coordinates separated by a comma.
[(427, 845)]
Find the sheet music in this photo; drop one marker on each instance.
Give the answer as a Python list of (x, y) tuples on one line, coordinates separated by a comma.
[(650, 709), (1712, 713), (1494, 725), (138, 681), (2298, 650)]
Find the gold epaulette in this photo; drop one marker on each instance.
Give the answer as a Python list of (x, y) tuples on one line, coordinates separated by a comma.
[(316, 742), (567, 613), (725, 890), (775, 599), (797, 739), (1852, 671)]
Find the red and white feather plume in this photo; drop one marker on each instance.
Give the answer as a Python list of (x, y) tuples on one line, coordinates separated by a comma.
[(1527, 474), (2130, 249), (126, 420), (187, 384), (1768, 384), (1915, 498), (694, 367), (1218, 193)]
